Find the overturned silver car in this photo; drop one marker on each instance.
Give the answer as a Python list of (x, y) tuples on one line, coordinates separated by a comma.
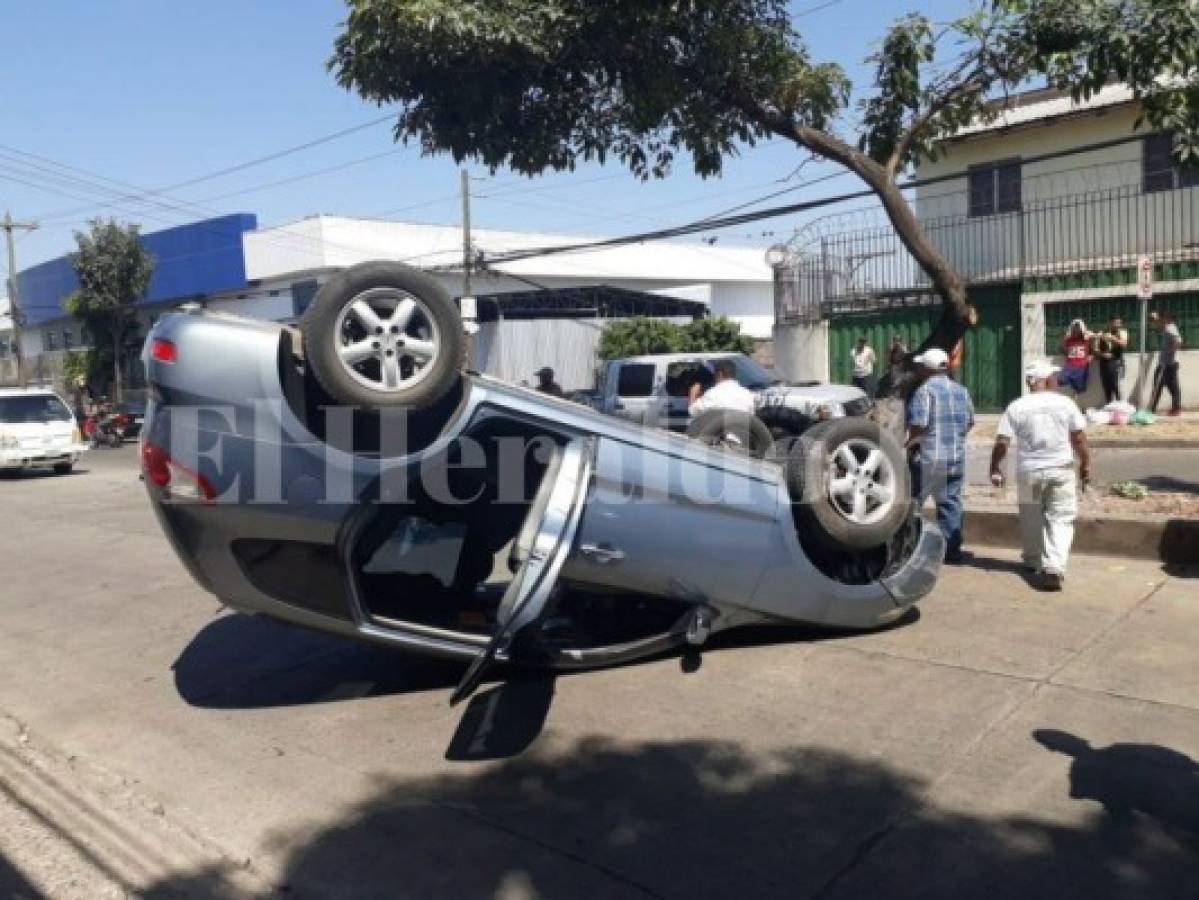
[(349, 476)]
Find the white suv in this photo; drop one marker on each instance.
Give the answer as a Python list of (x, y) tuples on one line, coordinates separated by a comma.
[(37, 429), (652, 390)]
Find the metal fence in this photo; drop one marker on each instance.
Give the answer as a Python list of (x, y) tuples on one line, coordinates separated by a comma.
[(1095, 231)]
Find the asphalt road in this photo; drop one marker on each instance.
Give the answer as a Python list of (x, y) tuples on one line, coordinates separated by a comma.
[(1002, 744)]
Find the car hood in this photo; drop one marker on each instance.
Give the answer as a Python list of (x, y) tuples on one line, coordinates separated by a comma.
[(826, 393)]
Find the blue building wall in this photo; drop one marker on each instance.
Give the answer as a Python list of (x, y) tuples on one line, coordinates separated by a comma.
[(192, 260)]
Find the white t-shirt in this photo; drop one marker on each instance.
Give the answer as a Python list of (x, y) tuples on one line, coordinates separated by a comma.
[(1040, 425), (863, 362), (727, 394)]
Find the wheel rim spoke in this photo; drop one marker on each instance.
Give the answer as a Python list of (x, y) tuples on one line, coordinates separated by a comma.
[(391, 371), (422, 350), (859, 506), (870, 466), (845, 454), (881, 494), (357, 352), (366, 315), (402, 314), (842, 486)]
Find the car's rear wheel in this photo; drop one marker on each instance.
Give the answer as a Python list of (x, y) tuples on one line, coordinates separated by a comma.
[(849, 484), (738, 431), (63, 468), (382, 334)]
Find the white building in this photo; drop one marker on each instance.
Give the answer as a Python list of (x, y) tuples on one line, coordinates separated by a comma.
[(229, 263), (731, 281)]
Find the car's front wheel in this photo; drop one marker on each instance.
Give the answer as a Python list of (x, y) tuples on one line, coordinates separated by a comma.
[(849, 483), (382, 334)]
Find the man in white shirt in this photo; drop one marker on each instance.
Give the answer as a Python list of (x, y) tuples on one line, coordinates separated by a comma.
[(725, 393), (863, 366), (1049, 431)]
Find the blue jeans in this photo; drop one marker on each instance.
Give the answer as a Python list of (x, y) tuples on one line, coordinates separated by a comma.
[(944, 482)]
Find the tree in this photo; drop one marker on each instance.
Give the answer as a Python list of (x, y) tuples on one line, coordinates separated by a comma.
[(540, 84), (114, 271), (638, 336), (714, 335)]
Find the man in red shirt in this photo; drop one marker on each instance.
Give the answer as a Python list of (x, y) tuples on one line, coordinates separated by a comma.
[(1076, 348)]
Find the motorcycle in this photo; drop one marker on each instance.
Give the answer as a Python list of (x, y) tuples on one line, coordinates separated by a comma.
[(102, 431)]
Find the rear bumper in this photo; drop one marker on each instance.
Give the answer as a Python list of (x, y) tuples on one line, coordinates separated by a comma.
[(917, 577), (20, 458)]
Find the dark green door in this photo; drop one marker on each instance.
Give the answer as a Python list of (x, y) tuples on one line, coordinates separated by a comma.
[(990, 359)]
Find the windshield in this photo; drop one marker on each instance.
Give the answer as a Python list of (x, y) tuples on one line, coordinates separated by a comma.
[(752, 374), (33, 408)]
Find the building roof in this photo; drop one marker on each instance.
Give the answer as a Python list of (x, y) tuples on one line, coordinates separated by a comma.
[(600, 300), (190, 260), (1039, 106), (322, 242)]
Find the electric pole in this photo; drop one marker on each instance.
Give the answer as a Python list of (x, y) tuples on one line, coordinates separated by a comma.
[(14, 308), (467, 262)]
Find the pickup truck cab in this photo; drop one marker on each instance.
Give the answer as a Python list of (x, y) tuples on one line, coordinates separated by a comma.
[(653, 390)]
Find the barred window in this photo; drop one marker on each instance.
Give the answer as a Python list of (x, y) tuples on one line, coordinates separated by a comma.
[(995, 188), (1159, 171)]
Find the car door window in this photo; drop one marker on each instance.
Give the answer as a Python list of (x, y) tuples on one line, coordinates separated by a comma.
[(636, 380), (681, 375)]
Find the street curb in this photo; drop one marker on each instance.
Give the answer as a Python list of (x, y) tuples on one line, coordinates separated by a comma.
[(1173, 541)]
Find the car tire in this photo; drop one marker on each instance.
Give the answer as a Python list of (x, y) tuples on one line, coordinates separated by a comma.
[(849, 484), (362, 331), (63, 468), (736, 430)]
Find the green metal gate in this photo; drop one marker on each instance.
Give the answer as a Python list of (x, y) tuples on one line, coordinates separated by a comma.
[(990, 359)]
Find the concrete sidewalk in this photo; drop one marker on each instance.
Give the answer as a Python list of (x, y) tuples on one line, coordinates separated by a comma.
[(1002, 744)]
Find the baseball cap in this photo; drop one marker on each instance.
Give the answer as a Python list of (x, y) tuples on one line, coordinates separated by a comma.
[(1040, 369), (933, 358), (544, 372)]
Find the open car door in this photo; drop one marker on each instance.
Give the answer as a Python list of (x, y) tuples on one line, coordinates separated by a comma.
[(540, 549)]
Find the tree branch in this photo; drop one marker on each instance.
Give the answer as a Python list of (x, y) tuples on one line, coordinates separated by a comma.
[(939, 104)]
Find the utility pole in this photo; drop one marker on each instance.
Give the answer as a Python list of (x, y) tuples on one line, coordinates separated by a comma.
[(467, 261), (14, 308)]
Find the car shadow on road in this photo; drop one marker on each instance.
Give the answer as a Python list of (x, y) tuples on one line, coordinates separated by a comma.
[(249, 662), (604, 817)]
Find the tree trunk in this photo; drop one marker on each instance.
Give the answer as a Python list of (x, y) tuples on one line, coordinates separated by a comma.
[(116, 365), (956, 315)]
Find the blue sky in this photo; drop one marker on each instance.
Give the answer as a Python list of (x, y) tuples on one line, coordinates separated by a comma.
[(154, 94)]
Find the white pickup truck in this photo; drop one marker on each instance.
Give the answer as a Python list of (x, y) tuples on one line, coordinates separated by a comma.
[(652, 390)]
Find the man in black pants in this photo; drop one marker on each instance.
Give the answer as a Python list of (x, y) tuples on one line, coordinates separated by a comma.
[(1109, 347), (1166, 376)]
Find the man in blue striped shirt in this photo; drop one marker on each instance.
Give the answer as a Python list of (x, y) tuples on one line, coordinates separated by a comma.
[(939, 417)]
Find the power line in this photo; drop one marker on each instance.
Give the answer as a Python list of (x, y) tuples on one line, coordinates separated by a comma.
[(713, 223), (239, 167), (811, 10)]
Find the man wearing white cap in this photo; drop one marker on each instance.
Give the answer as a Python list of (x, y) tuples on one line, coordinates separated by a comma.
[(1049, 431), (939, 417)]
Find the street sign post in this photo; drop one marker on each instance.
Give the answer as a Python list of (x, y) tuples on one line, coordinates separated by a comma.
[(1144, 294)]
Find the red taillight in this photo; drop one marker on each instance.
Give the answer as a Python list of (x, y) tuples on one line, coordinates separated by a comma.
[(180, 481), (163, 350)]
